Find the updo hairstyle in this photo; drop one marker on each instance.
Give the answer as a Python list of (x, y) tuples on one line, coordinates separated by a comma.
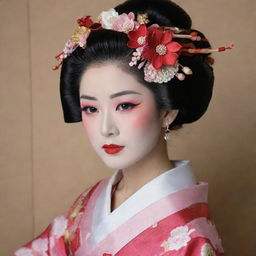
[(191, 96)]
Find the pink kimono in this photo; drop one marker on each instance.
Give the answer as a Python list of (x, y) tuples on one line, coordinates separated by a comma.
[(168, 216)]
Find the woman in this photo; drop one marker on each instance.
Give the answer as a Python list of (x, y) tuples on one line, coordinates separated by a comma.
[(131, 78)]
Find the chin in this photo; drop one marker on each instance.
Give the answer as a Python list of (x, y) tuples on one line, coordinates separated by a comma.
[(116, 164), (120, 162)]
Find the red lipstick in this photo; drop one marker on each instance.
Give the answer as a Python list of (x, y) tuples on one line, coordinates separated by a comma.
[(112, 148)]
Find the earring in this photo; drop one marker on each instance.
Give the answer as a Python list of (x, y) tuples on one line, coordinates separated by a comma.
[(167, 135)]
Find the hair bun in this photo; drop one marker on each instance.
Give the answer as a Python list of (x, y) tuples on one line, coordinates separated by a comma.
[(203, 43), (191, 96), (161, 12)]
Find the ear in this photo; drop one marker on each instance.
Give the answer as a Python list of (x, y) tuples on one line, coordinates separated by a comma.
[(168, 116)]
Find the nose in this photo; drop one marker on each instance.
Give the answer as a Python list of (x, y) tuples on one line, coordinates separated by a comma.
[(108, 125)]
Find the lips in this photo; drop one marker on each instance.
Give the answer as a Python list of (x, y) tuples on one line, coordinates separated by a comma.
[(112, 148)]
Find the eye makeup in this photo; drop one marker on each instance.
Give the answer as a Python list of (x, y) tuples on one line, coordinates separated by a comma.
[(130, 103), (130, 106)]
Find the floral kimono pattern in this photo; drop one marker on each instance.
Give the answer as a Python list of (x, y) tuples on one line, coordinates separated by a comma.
[(175, 225)]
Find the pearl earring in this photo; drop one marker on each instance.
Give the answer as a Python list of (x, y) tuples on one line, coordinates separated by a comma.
[(167, 135)]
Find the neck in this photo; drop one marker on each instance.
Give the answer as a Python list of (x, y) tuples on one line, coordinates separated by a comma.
[(137, 175)]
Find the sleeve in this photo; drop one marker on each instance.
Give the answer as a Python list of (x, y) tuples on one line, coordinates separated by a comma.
[(197, 238), (51, 241), (205, 239), (48, 243), (201, 246)]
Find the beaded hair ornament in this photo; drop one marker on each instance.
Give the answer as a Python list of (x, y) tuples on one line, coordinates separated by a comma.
[(155, 50)]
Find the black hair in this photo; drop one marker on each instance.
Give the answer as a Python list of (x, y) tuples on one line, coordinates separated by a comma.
[(191, 96)]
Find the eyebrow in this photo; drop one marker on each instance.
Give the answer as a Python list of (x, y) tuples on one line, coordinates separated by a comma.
[(111, 96)]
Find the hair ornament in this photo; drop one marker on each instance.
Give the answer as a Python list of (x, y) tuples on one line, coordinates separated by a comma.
[(143, 18), (207, 50), (154, 48), (78, 38)]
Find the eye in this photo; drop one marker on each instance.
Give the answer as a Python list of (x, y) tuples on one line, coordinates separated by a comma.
[(123, 106), (89, 110), (126, 106)]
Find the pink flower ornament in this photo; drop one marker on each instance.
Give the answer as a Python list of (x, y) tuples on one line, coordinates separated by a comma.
[(124, 23), (83, 40), (68, 47), (136, 57)]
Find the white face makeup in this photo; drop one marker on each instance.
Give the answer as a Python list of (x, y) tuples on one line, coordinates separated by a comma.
[(118, 110)]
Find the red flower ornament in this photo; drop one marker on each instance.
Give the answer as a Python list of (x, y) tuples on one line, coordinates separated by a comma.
[(85, 21), (161, 50), (138, 38)]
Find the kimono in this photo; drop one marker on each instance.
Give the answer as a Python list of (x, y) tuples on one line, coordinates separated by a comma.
[(168, 216)]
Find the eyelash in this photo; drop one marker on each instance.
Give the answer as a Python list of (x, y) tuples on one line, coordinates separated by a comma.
[(130, 105)]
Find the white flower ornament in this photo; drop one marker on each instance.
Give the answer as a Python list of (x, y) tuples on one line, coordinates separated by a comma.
[(107, 18)]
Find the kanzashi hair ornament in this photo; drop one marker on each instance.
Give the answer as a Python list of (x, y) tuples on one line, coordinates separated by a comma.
[(143, 18), (154, 48), (78, 38), (207, 50)]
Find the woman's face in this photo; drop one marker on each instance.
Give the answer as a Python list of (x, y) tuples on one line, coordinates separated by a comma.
[(116, 109)]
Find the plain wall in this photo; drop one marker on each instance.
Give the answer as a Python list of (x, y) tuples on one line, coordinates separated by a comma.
[(45, 163)]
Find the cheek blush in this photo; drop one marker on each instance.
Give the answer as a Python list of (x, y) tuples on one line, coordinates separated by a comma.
[(87, 122), (88, 126), (142, 118)]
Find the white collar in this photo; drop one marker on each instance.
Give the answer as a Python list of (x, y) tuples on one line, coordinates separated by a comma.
[(173, 180)]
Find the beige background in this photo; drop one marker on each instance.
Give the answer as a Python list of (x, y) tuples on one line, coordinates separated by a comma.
[(46, 163)]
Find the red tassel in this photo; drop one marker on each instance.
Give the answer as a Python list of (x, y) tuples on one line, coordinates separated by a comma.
[(221, 49), (57, 66), (58, 55)]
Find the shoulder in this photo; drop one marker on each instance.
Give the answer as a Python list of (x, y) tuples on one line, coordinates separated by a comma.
[(82, 199), (52, 240)]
